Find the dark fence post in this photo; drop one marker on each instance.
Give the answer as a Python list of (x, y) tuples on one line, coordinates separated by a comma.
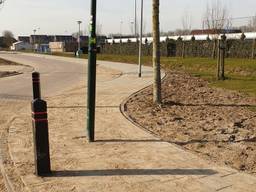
[(40, 130)]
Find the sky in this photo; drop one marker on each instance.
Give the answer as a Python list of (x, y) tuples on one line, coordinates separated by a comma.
[(113, 16)]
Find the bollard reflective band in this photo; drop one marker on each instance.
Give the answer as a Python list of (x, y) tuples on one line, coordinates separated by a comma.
[(39, 116), (39, 113), (36, 80), (40, 120)]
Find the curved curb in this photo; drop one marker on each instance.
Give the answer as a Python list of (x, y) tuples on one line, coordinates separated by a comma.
[(123, 109), (7, 182)]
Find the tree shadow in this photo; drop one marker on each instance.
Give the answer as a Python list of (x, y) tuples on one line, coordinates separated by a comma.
[(193, 141), (131, 172), (128, 141), (79, 107), (16, 97), (168, 103)]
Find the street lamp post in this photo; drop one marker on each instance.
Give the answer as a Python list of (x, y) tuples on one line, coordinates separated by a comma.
[(135, 20), (92, 50), (141, 31), (132, 26), (34, 40), (78, 38)]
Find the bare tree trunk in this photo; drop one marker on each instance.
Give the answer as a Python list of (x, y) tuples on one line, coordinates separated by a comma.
[(218, 61), (156, 54), (214, 48), (183, 49), (222, 64), (222, 57)]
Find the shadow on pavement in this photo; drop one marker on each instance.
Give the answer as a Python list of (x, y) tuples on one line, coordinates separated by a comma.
[(79, 107), (128, 141), (131, 172), (207, 104)]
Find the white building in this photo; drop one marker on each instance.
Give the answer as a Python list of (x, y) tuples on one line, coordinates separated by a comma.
[(20, 45)]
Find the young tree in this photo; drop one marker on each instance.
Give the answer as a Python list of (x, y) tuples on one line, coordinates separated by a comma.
[(252, 24), (186, 24), (156, 54), (216, 16)]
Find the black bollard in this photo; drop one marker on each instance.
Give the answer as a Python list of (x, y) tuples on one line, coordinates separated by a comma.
[(41, 137), (40, 129), (36, 85)]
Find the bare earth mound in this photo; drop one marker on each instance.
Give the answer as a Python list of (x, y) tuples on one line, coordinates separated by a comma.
[(217, 124), (8, 68)]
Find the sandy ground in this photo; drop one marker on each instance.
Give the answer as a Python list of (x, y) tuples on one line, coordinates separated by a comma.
[(7, 68), (215, 123), (17, 112), (10, 110)]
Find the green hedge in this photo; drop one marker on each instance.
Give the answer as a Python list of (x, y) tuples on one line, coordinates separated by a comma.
[(179, 48)]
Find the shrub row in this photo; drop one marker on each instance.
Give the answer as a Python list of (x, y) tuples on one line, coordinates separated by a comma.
[(171, 48)]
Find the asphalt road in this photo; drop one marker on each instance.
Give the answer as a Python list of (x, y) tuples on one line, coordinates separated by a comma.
[(57, 75)]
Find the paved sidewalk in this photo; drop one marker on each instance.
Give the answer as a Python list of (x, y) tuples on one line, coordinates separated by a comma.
[(124, 158)]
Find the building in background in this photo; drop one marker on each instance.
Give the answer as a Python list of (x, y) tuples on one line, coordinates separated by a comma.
[(24, 39), (42, 48), (59, 43), (21, 45), (64, 38), (39, 39), (57, 46)]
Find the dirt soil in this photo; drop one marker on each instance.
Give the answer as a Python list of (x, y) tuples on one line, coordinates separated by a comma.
[(217, 124), (8, 68)]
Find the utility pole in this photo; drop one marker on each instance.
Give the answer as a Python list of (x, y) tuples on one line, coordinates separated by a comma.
[(34, 40), (92, 50), (78, 38), (141, 31)]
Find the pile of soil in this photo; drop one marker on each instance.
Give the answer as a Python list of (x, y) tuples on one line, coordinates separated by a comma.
[(218, 124), (8, 73), (6, 62)]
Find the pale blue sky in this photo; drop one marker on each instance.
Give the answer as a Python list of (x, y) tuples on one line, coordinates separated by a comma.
[(60, 16)]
